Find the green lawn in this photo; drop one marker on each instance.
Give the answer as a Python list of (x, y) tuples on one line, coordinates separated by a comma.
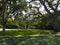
[(23, 32), (9, 37)]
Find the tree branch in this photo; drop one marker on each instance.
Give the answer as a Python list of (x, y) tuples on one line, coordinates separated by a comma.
[(57, 5), (50, 5), (43, 3)]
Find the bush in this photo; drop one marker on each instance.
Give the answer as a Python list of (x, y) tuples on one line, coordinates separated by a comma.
[(10, 24)]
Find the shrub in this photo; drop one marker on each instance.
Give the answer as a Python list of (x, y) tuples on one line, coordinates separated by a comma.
[(10, 24)]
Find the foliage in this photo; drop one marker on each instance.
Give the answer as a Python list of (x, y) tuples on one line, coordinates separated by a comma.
[(20, 10), (53, 10), (9, 21), (37, 22), (9, 8), (10, 24)]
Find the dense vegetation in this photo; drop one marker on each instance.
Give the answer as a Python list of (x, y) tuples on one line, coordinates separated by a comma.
[(36, 14), (36, 17)]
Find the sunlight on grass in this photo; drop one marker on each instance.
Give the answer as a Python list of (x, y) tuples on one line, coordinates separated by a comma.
[(24, 32)]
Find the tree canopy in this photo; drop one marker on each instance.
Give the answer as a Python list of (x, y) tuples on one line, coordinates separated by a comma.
[(42, 12), (9, 8)]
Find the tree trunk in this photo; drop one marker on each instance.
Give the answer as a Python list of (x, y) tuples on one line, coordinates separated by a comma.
[(55, 24), (3, 22)]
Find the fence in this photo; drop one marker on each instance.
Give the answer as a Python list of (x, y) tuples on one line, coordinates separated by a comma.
[(30, 40)]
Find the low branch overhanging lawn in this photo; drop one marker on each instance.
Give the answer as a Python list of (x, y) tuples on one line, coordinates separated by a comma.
[(24, 32)]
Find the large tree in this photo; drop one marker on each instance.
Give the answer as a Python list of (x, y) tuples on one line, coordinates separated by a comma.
[(52, 7), (9, 8)]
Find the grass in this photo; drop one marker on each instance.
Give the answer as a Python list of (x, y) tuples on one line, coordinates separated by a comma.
[(38, 40), (23, 32)]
